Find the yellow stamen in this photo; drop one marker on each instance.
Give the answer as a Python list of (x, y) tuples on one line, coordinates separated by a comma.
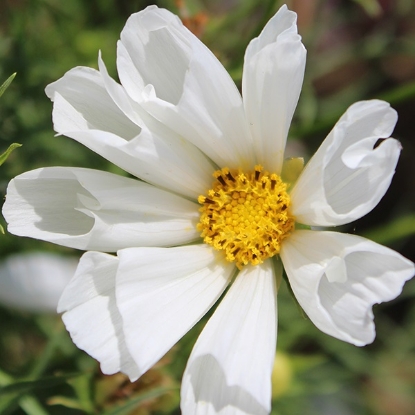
[(247, 215)]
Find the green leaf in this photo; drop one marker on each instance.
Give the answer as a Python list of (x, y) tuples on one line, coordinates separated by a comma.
[(31, 406), (23, 387), (5, 379), (6, 84), (3, 157), (55, 335), (399, 228), (126, 407), (65, 401), (82, 388), (9, 404)]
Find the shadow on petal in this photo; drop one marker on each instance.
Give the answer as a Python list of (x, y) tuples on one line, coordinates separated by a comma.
[(54, 203), (92, 317), (126, 363), (209, 385)]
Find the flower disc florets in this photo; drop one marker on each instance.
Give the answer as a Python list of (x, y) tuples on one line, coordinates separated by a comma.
[(246, 215)]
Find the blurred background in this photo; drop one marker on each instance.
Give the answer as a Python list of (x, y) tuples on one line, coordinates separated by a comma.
[(357, 50)]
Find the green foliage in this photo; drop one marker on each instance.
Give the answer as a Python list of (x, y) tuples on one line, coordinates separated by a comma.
[(6, 154), (6, 83)]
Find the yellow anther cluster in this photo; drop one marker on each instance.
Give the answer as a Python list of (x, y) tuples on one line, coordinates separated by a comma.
[(246, 215)]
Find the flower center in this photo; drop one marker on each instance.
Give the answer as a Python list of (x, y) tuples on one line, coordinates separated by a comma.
[(246, 215)]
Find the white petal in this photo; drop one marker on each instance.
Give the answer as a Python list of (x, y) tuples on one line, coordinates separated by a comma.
[(347, 176), (91, 315), (94, 110), (337, 278), (92, 107), (94, 210), (180, 82), (229, 369), (35, 281), (163, 292), (272, 79)]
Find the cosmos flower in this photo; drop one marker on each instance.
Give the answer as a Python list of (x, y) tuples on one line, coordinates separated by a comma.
[(212, 210), (34, 281)]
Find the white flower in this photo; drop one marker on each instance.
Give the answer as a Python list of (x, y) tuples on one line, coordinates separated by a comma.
[(177, 118), (34, 281)]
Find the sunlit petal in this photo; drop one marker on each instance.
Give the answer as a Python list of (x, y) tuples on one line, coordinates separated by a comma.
[(337, 278), (92, 317), (90, 209), (348, 176), (180, 82), (163, 292), (91, 108), (271, 84), (229, 369)]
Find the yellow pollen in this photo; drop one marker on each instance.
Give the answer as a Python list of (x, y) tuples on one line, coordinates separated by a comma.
[(247, 215)]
